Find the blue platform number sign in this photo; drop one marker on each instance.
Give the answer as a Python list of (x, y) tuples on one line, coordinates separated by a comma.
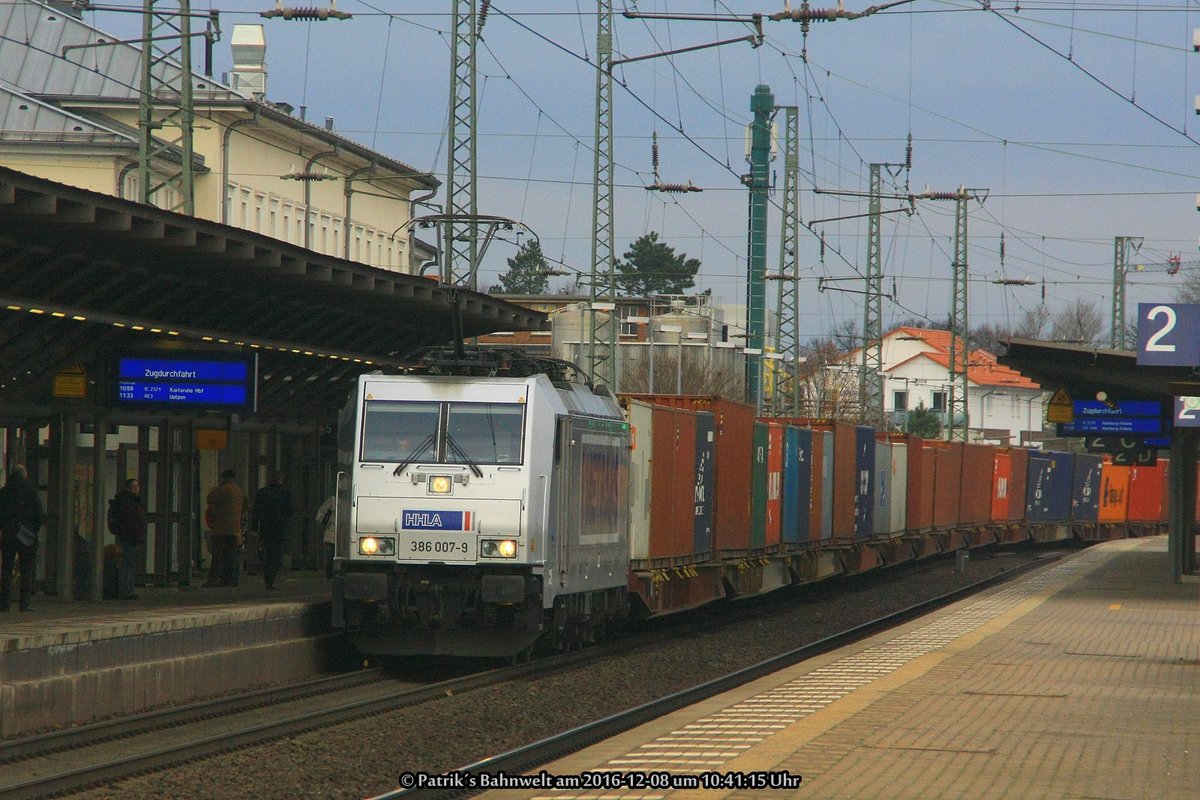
[(1187, 412), (1168, 335)]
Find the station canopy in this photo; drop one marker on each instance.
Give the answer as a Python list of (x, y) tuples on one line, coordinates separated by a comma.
[(86, 277), (1085, 371)]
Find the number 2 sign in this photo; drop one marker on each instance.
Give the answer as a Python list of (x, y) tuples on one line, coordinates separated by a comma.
[(1168, 335)]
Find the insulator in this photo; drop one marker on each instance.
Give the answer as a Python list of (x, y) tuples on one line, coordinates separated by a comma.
[(484, 7), (678, 188), (812, 15), (310, 176), (1001, 248), (305, 13), (654, 151), (908, 153)]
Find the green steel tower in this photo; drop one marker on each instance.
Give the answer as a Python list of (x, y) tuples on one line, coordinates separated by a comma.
[(762, 104)]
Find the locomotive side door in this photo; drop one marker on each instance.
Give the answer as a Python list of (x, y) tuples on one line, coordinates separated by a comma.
[(564, 480)]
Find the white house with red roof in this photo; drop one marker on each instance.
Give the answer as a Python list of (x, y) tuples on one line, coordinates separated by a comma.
[(1003, 405)]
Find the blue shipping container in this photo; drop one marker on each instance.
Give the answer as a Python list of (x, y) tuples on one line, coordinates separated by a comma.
[(1085, 496), (1048, 492), (797, 484), (864, 466)]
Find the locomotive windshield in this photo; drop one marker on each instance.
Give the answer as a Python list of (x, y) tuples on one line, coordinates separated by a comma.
[(442, 433)]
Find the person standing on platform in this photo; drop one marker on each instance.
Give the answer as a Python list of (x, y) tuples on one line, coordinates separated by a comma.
[(226, 503), (127, 521), (21, 516), (272, 513), (326, 516)]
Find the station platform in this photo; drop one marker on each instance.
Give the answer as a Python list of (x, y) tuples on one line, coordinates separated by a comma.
[(66, 663), (1081, 680)]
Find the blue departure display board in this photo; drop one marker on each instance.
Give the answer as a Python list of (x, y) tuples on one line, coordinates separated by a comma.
[(1138, 417), (185, 380)]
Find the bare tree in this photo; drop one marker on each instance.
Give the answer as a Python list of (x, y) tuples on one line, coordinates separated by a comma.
[(1034, 324), (703, 374), (829, 383), (1079, 323)]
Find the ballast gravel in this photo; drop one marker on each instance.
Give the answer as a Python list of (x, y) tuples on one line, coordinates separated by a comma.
[(364, 758)]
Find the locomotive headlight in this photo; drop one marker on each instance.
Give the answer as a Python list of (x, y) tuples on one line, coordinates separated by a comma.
[(377, 546), (440, 484), (498, 548)]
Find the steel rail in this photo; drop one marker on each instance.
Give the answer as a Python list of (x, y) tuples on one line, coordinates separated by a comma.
[(528, 757)]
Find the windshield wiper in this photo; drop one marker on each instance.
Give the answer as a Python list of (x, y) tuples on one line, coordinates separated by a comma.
[(463, 455), (411, 457)]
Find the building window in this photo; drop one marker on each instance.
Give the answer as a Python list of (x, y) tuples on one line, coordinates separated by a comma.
[(900, 401), (939, 401)]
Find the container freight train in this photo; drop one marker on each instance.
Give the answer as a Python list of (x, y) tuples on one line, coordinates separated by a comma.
[(479, 514)]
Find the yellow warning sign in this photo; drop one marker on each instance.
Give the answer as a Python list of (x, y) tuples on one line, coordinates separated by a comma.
[(71, 382), (1061, 409)]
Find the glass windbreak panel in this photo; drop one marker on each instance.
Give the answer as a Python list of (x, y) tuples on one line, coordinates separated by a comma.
[(485, 433), (399, 431)]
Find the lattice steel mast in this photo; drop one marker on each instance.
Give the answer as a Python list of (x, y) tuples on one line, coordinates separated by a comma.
[(871, 385), (1121, 246), (785, 399), (601, 361), (165, 102), (462, 240)]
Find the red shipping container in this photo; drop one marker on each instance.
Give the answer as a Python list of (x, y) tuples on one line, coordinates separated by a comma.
[(1001, 485), (920, 484), (1020, 480), (734, 431), (947, 483), (1146, 489), (978, 468), (775, 432)]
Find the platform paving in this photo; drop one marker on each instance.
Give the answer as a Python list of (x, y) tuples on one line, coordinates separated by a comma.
[(1078, 682)]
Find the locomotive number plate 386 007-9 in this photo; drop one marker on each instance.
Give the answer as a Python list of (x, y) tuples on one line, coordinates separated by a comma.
[(437, 547)]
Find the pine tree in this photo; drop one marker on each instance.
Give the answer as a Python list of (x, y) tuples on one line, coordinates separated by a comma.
[(527, 272), (651, 267)]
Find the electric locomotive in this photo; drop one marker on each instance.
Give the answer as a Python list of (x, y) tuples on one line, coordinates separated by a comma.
[(482, 504)]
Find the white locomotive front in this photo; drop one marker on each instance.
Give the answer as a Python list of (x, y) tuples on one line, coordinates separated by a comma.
[(479, 514)]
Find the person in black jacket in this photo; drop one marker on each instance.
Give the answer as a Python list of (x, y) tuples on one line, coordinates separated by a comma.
[(127, 521), (21, 516), (272, 513)]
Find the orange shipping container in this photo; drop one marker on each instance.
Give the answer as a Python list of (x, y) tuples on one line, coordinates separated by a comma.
[(1114, 493)]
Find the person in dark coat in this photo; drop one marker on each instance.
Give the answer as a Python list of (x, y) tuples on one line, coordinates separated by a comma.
[(127, 521), (272, 513), (21, 516)]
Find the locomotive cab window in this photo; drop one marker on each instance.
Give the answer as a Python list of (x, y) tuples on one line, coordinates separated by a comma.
[(395, 431), (485, 433), (442, 433)]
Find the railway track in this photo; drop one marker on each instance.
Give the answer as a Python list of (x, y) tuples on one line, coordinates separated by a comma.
[(103, 753), (536, 754)]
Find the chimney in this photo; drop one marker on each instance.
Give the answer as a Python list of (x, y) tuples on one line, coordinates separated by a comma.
[(249, 74), (329, 123)]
